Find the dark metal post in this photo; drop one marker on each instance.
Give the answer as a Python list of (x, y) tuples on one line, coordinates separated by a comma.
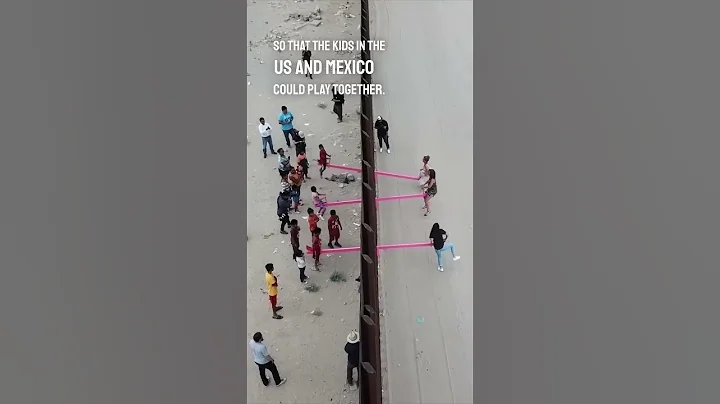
[(370, 369)]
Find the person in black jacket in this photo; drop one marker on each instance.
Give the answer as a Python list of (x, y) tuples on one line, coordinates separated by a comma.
[(382, 128), (306, 55), (283, 210), (338, 100), (352, 348)]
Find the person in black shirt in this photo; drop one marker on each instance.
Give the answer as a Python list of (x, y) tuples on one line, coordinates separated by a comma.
[(338, 100), (306, 54), (283, 210), (298, 137), (440, 244), (352, 348), (382, 128)]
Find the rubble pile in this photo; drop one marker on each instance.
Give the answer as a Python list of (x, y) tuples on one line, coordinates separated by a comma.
[(344, 11), (343, 178), (313, 16)]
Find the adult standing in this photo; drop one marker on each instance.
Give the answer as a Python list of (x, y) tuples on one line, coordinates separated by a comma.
[(285, 119), (266, 135), (352, 348), (294, 235), (306, 55), (283, 210), (283, 163), (440, 244), (382, 127), (298, 137), (338, 101), (430, 190), (264, 361), (272, 290)]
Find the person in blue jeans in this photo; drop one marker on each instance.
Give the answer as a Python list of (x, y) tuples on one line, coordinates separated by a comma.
[(285, 119), (439, 240)]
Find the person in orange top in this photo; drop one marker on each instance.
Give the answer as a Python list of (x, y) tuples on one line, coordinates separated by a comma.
[(295, 180), (272, 290), (313, 220), (334, 227)]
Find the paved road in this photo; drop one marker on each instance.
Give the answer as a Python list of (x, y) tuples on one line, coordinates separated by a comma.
[(598, 204), (427, 75)]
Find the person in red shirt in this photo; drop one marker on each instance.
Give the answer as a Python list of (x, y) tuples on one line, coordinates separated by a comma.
[(313, 220), (334, 227), (316, 247), (323, 160)]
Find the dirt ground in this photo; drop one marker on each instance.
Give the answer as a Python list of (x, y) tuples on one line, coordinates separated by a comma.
[(308, 343)]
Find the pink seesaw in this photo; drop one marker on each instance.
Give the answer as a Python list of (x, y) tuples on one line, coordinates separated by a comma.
[(377, 172), (378, 199), (340, 250)]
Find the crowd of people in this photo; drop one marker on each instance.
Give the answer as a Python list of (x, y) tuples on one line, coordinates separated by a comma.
[(294, 173)]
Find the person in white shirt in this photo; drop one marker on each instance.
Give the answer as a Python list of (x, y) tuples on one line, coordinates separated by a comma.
[(266, 134), (299, 257)]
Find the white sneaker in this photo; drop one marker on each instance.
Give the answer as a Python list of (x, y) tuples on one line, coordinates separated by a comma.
[(455, 258), (388, 151), (440, 269), (381, 150)]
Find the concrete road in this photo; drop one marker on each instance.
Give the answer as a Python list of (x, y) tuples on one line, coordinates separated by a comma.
[(426, 73)]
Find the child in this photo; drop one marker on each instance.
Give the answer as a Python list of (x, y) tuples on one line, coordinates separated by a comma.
[(316, 247), (313, 220), (303, 162), (323, 160), (334, 227), (424, 169), (300, 259), (272, 290), (295, 180), (319, 201), (301, 172)]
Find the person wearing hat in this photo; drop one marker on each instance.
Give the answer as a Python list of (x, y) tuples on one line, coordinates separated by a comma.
[(299, 139), (382, 128), (352, 348)]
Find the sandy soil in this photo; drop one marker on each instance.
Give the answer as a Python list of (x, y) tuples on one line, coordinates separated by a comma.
[(308, 348)]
